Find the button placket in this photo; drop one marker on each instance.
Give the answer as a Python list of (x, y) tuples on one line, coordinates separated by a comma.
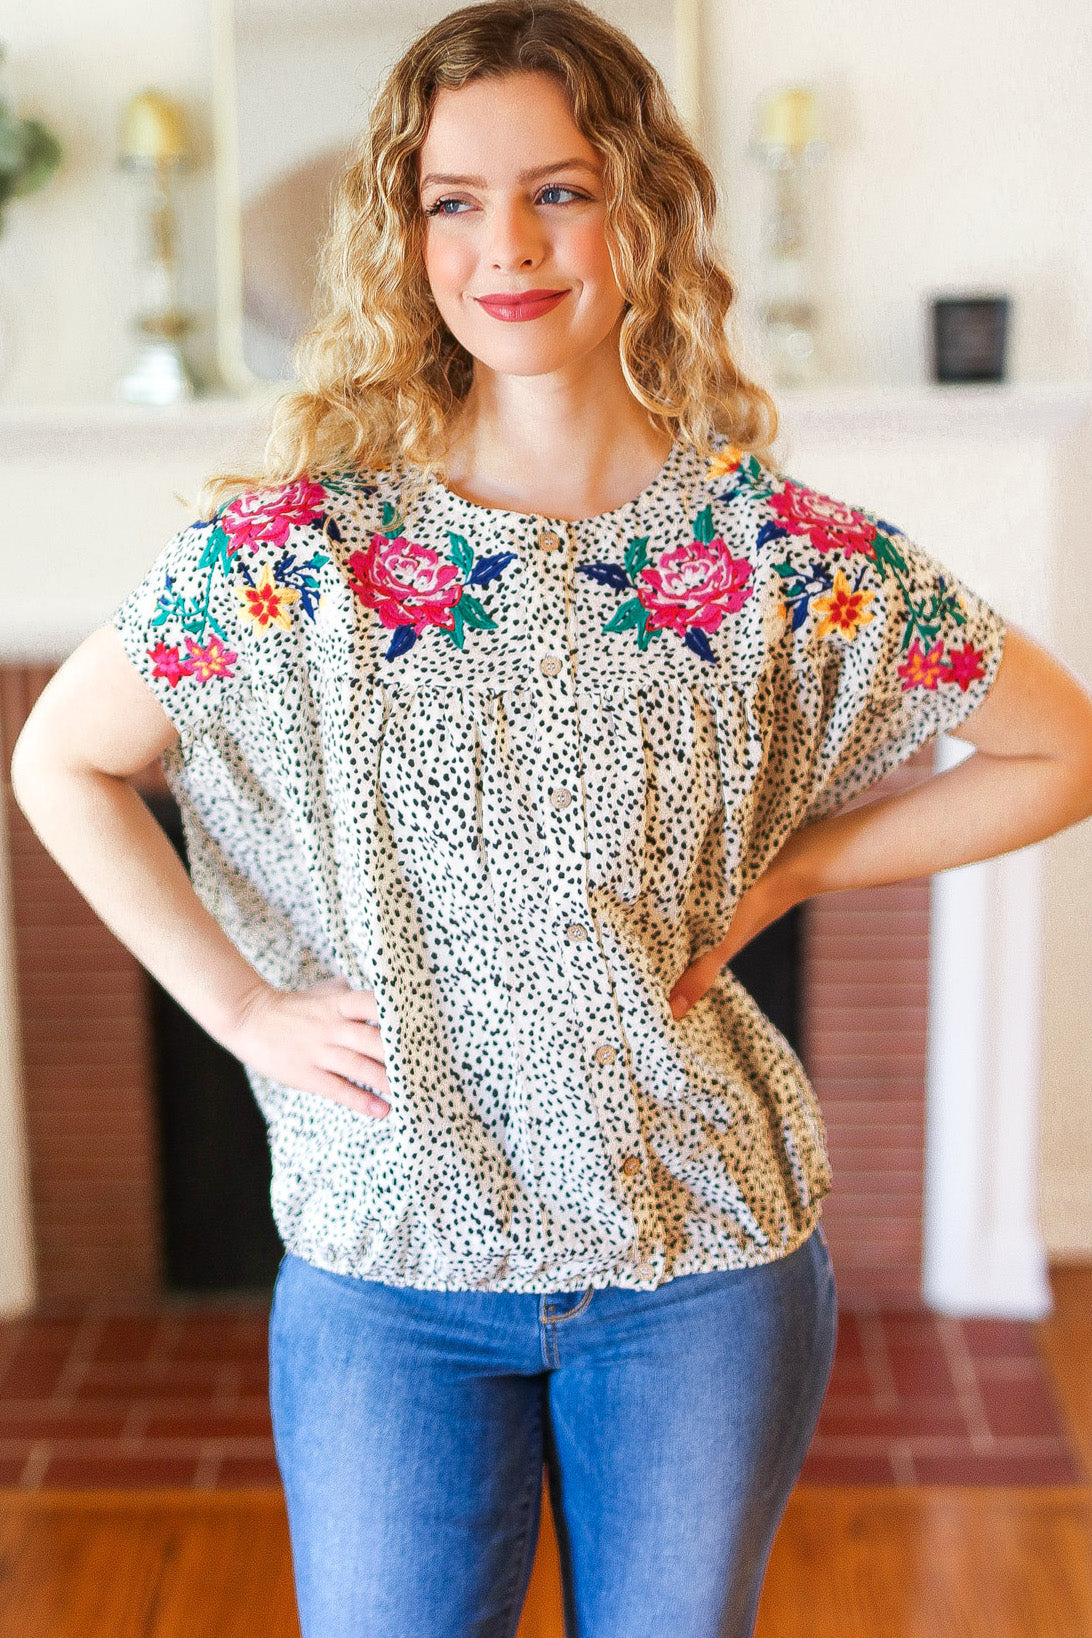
[(555, 782)]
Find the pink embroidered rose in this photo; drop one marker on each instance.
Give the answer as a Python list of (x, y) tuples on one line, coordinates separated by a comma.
[(964, 665), (694, 585), (167, 662), (263, 517), (405, 583), (831, 525)]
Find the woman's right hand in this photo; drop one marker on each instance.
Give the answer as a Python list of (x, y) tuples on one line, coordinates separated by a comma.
[(324, 1039)]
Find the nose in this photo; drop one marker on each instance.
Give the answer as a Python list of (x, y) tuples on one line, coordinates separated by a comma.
[(516, 238)]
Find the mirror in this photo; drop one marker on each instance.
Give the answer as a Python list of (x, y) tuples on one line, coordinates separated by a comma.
[(295, 81)]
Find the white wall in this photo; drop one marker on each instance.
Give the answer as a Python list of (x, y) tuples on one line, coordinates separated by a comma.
[(961, 154)]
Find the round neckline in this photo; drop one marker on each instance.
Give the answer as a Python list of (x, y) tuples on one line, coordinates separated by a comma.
[(666, 472)]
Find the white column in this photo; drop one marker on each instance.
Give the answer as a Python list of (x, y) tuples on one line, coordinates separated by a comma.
[(983, 1250), (17, 1284)]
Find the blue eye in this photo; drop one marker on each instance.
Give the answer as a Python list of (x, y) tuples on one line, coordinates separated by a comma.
[(438, 208)]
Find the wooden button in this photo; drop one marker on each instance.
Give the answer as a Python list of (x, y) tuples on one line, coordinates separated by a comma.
[(549, 540), (605, 1054), (550, 666), (561, 797), (575, 932), (631, 1165)]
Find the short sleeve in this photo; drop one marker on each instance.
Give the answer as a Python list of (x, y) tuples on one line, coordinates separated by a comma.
[(221, 606), (896, 648)]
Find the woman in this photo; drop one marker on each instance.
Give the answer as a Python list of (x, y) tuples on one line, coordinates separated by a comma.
[(507, 703)]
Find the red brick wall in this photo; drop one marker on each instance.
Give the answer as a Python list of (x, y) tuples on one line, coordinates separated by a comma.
[(89, 1110), (85, 1068), (866, 987)]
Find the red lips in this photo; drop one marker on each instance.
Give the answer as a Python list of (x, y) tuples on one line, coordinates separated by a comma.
[(515, 306)]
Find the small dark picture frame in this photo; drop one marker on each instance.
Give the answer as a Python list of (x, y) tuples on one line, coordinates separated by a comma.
[(969, 337)]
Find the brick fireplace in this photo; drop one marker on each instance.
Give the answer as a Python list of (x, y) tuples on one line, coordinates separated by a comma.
[(88, 1071)]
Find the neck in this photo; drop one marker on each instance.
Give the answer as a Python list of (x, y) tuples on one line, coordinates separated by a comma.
[(570, 443)]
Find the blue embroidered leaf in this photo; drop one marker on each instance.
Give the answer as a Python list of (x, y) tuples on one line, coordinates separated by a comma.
[(627, 616), (636, 557), (402, 641), (703, 525), (392, 523), (328, 524), (799, 613), (888, 528), (770, 531), (460, 553), (489, 568), (698, 642), (607, 574), (473, 613)]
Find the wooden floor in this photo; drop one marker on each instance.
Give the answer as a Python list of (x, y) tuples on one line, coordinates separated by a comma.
[(859, 1562)]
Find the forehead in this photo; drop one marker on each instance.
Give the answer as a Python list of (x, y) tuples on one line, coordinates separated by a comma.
[(497, 127)]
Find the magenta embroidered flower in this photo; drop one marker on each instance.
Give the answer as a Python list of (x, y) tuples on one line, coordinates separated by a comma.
[(964, 665), (694, 585), (406, 584), (830, 525), (214, 659), (263, 517), (922, 668), (167, 662)]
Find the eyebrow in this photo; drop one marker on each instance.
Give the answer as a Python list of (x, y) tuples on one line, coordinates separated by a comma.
[(524, 176)]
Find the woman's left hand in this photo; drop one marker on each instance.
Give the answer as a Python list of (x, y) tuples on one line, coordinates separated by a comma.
[(769, 897)]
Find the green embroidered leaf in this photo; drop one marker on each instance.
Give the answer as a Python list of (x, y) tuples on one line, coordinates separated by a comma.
[(628, 615), (474, 614), (392, 521), (456, 634), (703, 525), (645, 633), (888, 553), (753, 468), (217, 554), (636, 557), (785, 570), (319, 561), (461, 554)]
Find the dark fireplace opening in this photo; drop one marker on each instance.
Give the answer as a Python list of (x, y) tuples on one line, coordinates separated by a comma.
[(214, 1169)]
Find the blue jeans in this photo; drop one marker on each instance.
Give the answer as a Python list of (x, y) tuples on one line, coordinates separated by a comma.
[(412, 1426)]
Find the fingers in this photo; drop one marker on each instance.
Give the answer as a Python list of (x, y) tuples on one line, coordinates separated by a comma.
[(357, 1098)]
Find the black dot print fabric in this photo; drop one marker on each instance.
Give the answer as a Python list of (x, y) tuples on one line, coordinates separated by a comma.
[(512, 773)]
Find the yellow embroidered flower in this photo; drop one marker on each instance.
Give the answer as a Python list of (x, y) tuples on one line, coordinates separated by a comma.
[(725, 461), (266, 605), (843, 609)]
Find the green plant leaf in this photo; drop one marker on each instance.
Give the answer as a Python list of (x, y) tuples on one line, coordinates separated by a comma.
[(703, 525), (41, 157)]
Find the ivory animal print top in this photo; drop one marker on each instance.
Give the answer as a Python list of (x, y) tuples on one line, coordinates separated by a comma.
[(512, 774)]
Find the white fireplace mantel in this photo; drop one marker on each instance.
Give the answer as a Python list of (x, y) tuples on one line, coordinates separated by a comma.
[(92, 491)]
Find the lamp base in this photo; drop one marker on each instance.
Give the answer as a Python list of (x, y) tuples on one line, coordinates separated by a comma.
[(159, 376)]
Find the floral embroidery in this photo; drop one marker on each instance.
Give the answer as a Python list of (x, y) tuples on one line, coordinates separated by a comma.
[(266, 604), (263, 517), (166, 662), (921, 668), (688, 590), (965, 666), (215, 659), (259, 518), (829, 524), (411, 587), (844, 609), (726, 461)]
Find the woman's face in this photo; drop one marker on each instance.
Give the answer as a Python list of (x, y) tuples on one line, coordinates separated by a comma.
[(513, 196)]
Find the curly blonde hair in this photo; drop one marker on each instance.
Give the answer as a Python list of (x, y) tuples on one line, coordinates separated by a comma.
[(381, 377)]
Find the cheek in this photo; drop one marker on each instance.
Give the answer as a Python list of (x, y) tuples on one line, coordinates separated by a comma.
[(448, 264), (588, 247)]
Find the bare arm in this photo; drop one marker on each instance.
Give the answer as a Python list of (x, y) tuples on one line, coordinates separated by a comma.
[(1031, 776), (95, 725)]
